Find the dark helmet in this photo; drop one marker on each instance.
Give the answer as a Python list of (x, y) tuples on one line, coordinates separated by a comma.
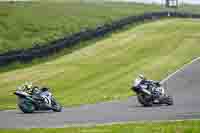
[(35, 87), (45, 89)]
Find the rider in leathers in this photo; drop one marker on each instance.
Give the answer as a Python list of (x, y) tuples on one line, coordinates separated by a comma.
[(42, 94), (142, 85)]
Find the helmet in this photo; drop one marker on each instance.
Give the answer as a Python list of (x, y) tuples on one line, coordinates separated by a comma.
[(140, 76), (45, 89), (28, 87), (35, 87)]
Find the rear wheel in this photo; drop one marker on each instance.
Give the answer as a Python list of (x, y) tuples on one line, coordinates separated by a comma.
[(145, 100)]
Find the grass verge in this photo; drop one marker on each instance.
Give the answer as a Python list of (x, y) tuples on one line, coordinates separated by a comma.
[(163, 127)]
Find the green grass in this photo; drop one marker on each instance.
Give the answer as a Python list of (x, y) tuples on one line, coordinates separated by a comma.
[(162, 127), (104, 70), (19, 65), (22, 24)]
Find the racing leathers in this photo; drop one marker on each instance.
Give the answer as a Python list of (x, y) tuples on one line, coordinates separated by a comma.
[(143, 86)]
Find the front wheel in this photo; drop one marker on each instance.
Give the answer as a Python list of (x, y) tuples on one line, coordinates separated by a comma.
[(168, 100), (56, 107), (26, 106)]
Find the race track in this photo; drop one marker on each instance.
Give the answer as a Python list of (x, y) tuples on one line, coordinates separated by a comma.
[(184, 85)]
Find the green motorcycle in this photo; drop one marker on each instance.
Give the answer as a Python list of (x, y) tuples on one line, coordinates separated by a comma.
[(40, 101)]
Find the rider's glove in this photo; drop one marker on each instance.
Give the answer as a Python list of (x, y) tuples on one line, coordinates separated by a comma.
[(157, 83)]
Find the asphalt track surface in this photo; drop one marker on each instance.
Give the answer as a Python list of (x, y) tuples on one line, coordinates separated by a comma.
[(184, 85)]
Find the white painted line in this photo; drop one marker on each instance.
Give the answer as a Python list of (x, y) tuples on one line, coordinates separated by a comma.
[(180, 69)]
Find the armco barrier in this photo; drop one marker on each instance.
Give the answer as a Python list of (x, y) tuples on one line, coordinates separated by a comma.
[(87, 34)]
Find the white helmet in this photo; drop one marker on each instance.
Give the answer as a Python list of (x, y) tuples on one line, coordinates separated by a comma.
[(141, 77), (28, 85)]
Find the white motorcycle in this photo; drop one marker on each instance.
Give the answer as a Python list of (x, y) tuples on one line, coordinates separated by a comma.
[(157, 95)]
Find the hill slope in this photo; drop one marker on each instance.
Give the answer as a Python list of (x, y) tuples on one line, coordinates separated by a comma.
[(105, 70), (24, 23)]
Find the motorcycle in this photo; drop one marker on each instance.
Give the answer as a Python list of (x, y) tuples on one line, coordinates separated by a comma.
[(30, 102), (158, 96)]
